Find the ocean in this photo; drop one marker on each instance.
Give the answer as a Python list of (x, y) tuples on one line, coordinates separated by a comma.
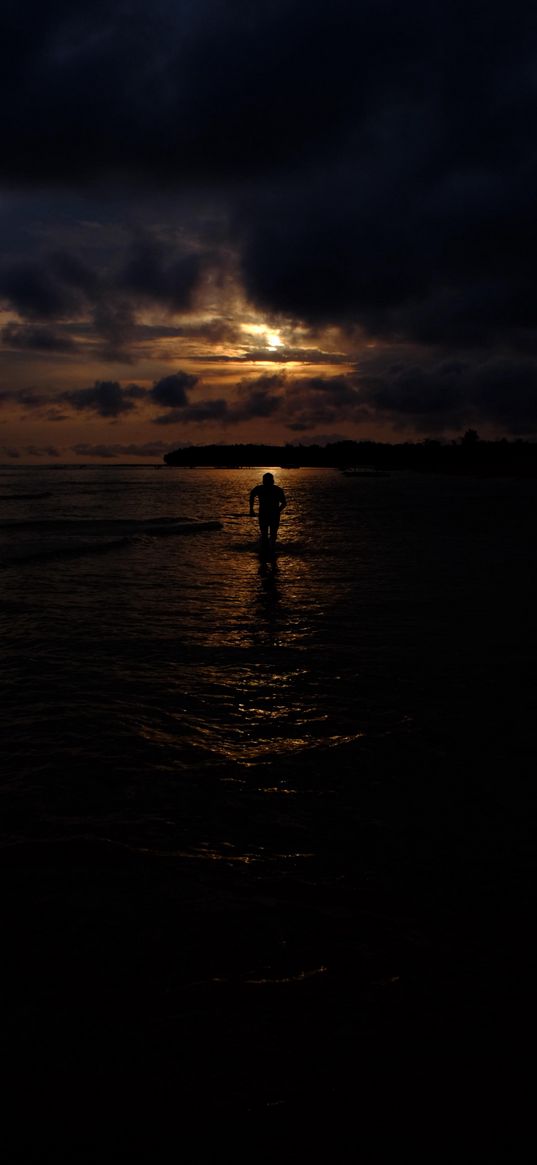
[(267, 826)]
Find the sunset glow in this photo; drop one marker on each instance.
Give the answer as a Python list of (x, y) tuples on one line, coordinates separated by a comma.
[(181, 271), (268, 486)]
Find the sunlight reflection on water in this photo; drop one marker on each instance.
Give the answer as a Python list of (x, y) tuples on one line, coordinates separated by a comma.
[(209, 639), (201, 652)]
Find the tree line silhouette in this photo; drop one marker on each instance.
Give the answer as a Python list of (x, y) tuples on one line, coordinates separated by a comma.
[(468, 454)]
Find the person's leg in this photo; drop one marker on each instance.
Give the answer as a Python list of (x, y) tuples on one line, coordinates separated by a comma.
[(263, 526), (274, 531)]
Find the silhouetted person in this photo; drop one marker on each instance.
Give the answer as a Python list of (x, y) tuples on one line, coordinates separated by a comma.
[(271, 503)]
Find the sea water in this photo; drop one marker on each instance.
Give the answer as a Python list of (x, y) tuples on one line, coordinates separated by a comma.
[(325, 756), (192, 652)]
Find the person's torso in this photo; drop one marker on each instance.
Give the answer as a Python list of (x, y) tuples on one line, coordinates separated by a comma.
[(270, 497)]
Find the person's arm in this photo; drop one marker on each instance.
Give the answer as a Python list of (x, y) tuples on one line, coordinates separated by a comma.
[(283, 501), (253, 494)]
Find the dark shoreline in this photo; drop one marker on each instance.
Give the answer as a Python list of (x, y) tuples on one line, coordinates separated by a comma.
[(468, 456)]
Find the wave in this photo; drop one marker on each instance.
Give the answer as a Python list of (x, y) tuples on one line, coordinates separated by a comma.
[(92, 526), (106, 535), (50, 551)]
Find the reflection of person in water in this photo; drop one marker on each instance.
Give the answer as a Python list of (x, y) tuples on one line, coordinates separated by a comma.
[(271, 503)]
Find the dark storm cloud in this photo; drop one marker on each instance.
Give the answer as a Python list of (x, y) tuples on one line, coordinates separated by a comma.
[(31, 401), (398, 139), (255, 398), (432, 196), (102, 292), (52, 286), (439, 396), (376, 163), (506, 392), (190, 92), (115, 323), (451, 394), (258, 397), (413, 396), (154, 272), (110, 399), (174, 91), (299, 404), (317, 400), (171, 391), (205, 410), (106, 398), (109, 290), (36, 339)]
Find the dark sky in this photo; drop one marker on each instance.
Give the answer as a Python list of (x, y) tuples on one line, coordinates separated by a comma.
[(270, 221)]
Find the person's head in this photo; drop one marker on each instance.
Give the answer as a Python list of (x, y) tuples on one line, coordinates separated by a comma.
[(268, 479)]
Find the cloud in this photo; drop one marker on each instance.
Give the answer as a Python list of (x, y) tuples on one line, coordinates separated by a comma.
[(204, 410), (104, 293), (218, 331), (299, 404), (366, 164), (106, 398), (170, 103), (171, 391), (409, 391), (449, 394), (420, 225), (35, 338), (110, 400), (207, 410), (43, 451), (55, 414), (146, 449), (53, 286), (115, 323), (320, 400), (156, 272), (258, 397), (505, 392), (395, 154), (282, 355), (254, 398), (27, 398), (320, 439)]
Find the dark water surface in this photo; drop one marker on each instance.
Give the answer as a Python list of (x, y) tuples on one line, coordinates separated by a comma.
[(267, 826)]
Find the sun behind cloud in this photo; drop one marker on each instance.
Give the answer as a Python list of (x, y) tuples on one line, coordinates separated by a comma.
[(266, 336), (274, 340)]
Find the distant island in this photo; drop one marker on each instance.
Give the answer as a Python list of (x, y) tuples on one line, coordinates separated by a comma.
[(468, 454)]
